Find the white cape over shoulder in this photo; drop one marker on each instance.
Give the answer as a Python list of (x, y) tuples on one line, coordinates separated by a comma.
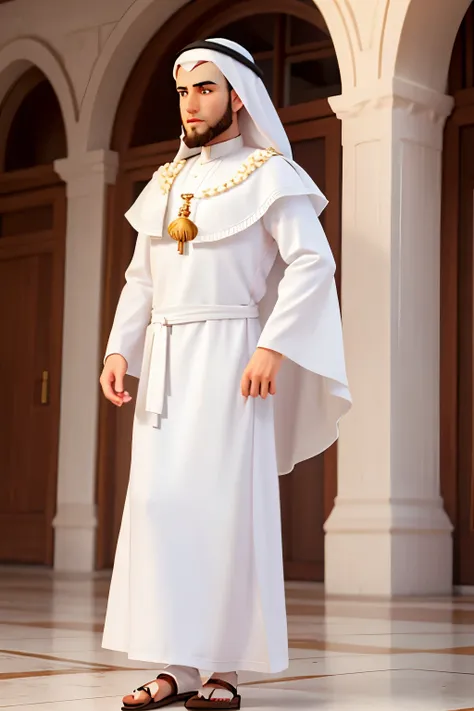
[(313, 391)]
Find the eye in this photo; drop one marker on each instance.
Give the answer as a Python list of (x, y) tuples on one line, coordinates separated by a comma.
[(206, 91), (183, 93)]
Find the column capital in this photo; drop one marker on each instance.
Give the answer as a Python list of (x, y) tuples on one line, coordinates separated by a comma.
[(82, 172), (398, 93)]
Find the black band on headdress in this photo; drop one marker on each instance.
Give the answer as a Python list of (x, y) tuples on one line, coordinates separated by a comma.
[(223, 49)]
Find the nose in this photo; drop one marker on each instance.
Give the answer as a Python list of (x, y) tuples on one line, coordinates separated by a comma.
[(192, 104)]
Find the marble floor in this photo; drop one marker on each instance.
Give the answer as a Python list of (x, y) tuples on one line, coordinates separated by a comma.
[(345, 654)]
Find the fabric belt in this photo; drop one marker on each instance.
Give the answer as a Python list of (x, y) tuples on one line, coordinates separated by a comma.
[(155, 361)]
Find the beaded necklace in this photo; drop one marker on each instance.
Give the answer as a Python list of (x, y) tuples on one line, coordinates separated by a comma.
[(185, 230)]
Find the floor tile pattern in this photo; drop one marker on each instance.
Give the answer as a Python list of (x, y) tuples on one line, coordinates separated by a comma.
[(362, 655)]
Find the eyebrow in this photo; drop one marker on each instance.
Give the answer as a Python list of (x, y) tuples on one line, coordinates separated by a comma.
[(200, 83)]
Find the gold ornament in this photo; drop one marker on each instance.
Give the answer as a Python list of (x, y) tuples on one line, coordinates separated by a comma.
[(183, 229)]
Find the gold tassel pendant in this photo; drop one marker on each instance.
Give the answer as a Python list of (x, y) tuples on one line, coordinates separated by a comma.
[(183, 229)]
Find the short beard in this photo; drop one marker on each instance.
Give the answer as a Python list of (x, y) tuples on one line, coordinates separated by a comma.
[(193, 139)]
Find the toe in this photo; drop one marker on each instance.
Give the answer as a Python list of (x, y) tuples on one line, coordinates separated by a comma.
[(135, 699)]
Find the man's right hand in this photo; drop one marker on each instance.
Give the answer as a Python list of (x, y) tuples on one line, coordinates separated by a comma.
[(112, 377)]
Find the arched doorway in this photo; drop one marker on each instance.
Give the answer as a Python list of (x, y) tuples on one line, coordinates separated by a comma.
[(291, 43), (32, 232), (457, 305)]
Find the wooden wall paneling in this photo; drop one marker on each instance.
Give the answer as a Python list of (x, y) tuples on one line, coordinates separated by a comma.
[(32, 301), (456, 329), (449, 318)]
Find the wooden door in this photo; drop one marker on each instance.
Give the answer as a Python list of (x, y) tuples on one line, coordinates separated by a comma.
[(457, 309), (457, 333), (464, 525), (308, 493), (32, 227)]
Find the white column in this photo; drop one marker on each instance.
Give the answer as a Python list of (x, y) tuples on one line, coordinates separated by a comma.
[(388, 533), (87, 177)]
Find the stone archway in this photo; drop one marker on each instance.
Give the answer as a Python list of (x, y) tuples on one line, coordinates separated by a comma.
[(315, 134), (426, 40), (389, 515), (18, 56)]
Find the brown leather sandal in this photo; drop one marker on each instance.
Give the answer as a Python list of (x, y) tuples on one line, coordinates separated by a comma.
[(173, 698), (201, 701)]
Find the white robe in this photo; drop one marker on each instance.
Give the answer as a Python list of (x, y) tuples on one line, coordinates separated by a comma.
[(198, 575)]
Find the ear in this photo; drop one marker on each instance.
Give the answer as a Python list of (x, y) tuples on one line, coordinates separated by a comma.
[(236, 101)]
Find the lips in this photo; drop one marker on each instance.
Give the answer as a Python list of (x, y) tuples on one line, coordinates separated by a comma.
[(195, 121)]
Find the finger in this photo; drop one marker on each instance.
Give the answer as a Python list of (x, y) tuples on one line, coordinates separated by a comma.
[(255, 386), (117, 396), (118, 386), (245, 385), (109, 393), (272, 388), (125, 396), (264, 388)]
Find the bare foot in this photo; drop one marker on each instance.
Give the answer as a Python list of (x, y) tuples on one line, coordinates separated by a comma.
[(159, 689), (215, 697)]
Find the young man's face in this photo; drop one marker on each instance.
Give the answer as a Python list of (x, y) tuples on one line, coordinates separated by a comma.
[(208, 109)]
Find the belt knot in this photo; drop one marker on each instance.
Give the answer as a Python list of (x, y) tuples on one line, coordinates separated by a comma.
[(155, 362)]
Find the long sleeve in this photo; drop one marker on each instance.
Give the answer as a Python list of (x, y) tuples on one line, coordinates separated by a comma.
[(306, 293), (132, 316), (304, 324)]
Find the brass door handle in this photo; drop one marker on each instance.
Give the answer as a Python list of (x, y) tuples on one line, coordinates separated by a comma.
[(45, 387)]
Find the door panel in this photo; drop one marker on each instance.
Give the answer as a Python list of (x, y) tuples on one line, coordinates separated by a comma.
[(30, 322), (307, 494), (302, 512), (457, 311), (464, 529)]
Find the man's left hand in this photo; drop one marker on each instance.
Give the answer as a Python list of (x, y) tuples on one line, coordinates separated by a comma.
[(260, 375)]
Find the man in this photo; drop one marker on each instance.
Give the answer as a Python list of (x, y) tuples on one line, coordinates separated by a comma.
[(228, 241)]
